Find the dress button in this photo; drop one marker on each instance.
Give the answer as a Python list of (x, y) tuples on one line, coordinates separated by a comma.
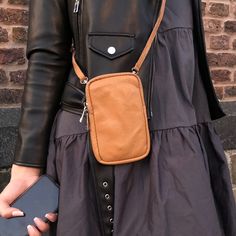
[(111, 50), (111, 220), (107, 196), (112, 230), (109, 207), (105, 184)]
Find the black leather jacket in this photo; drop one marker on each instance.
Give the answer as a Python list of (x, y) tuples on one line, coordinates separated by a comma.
[(92, 26)]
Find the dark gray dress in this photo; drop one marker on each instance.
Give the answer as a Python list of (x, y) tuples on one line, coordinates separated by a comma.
[(183, 188)]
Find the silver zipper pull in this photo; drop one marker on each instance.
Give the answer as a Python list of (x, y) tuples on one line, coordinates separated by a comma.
[(76, 6), (83, 113)]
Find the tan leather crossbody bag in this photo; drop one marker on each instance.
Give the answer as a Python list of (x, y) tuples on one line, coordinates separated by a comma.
[(116, 111)]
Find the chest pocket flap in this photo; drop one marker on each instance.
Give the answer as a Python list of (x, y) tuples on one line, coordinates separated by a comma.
[(111, 45)]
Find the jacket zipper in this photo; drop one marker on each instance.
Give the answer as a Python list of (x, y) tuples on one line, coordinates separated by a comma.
[(76, 11), (76, 6)]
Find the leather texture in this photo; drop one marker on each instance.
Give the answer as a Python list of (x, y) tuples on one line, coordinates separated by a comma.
[(95, 27), (104, 185), (83, 78), (116, 109), (117, 118)]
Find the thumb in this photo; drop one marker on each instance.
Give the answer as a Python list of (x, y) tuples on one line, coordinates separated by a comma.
[(11, 212), (8, 212)]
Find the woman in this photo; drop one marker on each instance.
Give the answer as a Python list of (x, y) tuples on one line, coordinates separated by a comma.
[(183, 187)]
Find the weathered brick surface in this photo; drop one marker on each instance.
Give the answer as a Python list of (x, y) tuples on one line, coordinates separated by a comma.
[(19, 35), (3, 35), (18, 77), (14, 16), (220, 32), (10, 96), (218, 9), (12, 55), (11, 16), (220, 75)]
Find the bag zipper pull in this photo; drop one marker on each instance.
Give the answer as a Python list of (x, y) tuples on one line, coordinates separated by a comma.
[(76, 6), (83, 113)]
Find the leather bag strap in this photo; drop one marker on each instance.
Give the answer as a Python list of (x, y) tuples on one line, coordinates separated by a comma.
[(136, 68), (148, 45)]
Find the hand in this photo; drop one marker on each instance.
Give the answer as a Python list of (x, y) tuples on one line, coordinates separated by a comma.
[(41, 225), (21, 178)]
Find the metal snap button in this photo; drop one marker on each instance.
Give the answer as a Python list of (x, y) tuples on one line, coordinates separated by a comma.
[(111, 220), (111, 50), (107, 196), (112, 230), (105, 184), (109, 207)]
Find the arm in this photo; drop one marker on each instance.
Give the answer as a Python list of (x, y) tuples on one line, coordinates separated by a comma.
[(49, 55)]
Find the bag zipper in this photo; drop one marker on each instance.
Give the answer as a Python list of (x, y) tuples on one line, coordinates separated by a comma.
[(85, 110)]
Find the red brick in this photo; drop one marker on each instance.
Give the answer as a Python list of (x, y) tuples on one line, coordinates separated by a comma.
[(220, 76), (219, 42), (3, 77), (18, 77), (19, 34), (19, 2), (10, 16), (219, 92), (218, 9), (230, 26), (230, 91), (10, 96), (212, 25), (221, 59), (3, 35), (12, 55)]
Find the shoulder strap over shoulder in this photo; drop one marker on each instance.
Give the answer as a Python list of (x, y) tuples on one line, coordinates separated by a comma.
[(136, 68), (148, 45)]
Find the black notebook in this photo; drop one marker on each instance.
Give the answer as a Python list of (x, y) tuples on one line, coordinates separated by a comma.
[(40, 198)]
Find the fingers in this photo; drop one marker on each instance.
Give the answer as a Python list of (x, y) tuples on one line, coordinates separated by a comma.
[(32, 231), (51, 216), (41, 225)]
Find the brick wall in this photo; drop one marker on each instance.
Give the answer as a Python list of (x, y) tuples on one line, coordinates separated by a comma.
[(13, 33), (220, 28), (220, 31), (13, 64)]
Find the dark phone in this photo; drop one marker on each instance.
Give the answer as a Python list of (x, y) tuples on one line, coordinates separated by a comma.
[(37, 200)]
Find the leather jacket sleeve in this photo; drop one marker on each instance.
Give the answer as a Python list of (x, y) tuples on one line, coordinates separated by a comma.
[(49, 60)]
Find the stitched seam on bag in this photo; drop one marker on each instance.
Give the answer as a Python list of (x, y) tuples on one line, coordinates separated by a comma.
[(114, 75)]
